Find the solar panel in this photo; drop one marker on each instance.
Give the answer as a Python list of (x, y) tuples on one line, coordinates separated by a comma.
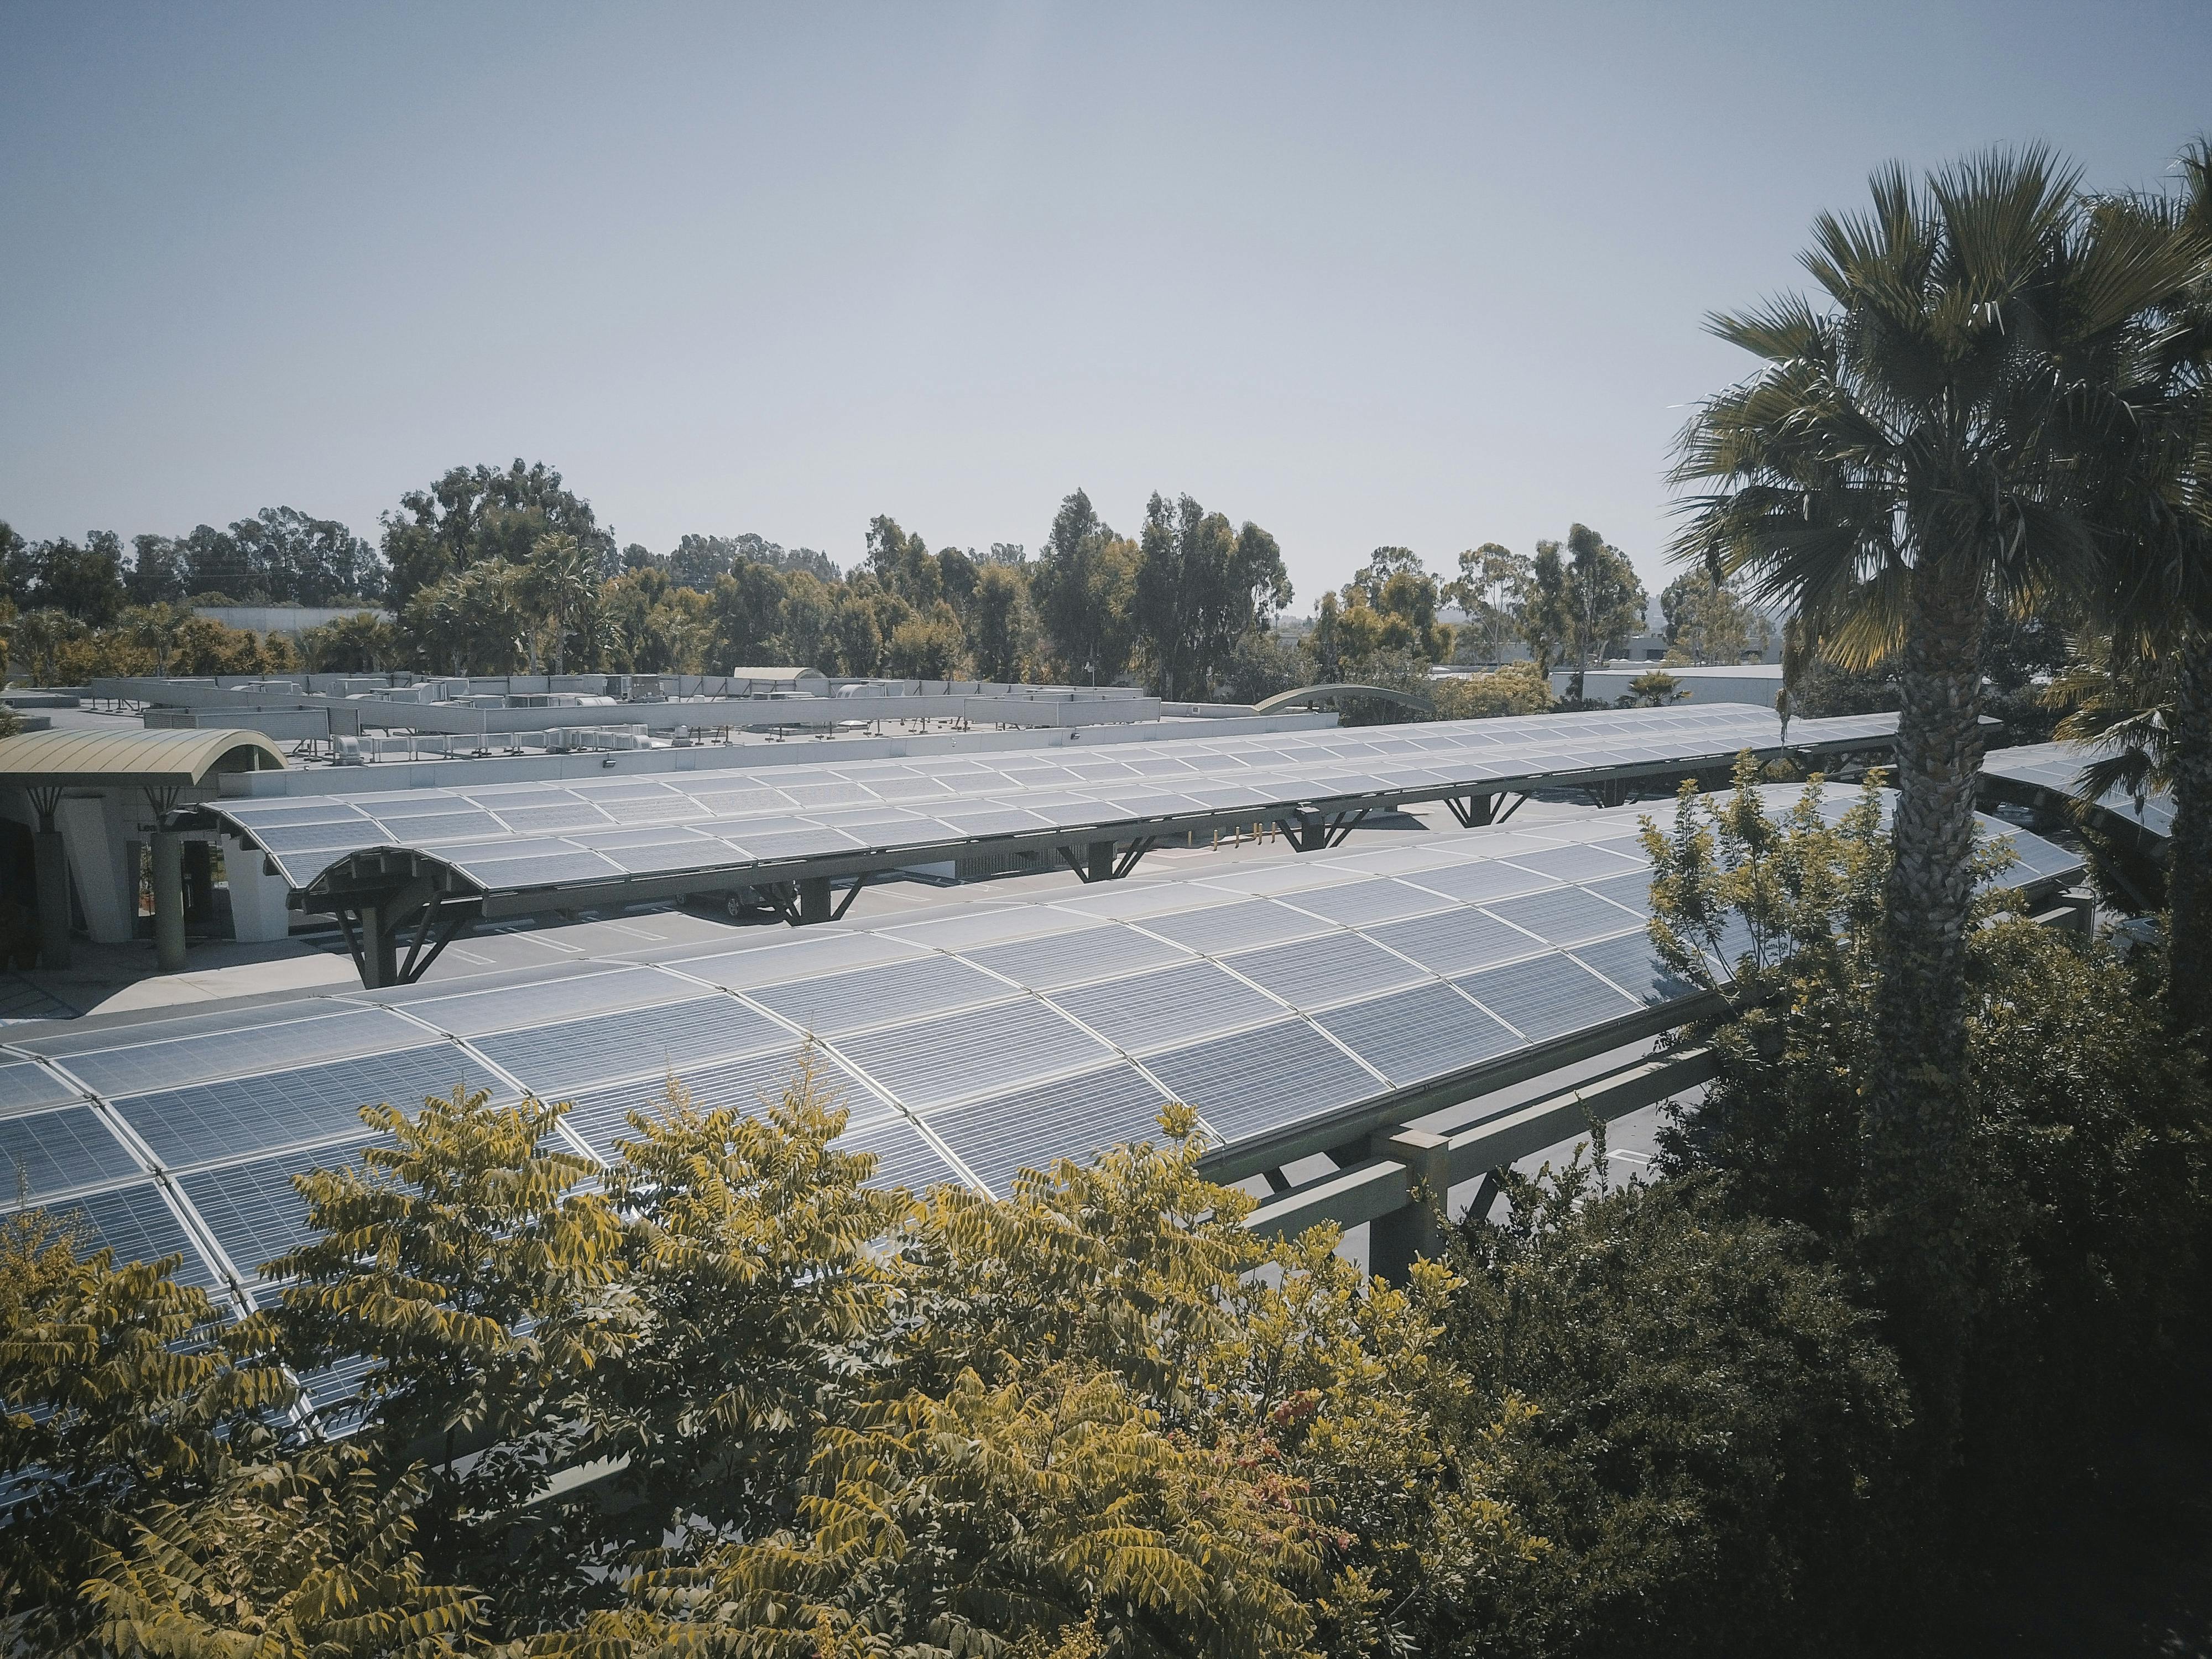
[(1479, 883), (542, 994), (601, 1117), (208, 1121), (1028, 1128), (136, 1224), (980, 797), (43, 1153), (1455, 941), (780, 957), (1265, 1079), (1633, 964), (25, 1083), (1566, 915), (515, 874), (1174, 1004), (1575, 863), (566, 1056), (130, 1067), (254, 1210), (995, 1076), (1366, 903), (1547, 996), (2056, 767), (903, 1157), (1414, 1035), (1235, 926), (1319, 973), (936, 1061), (844, 1002)]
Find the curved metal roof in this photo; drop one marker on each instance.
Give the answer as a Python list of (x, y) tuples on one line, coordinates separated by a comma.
[(174, 758), (1329, 693)]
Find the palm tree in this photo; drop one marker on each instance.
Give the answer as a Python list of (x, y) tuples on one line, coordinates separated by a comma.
[(2156, 595), (1903, 455), (560, 584), (39, 637)]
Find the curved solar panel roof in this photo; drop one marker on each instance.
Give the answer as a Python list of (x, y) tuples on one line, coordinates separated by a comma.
[(515, 837), (966, 1042), (2058, 767)]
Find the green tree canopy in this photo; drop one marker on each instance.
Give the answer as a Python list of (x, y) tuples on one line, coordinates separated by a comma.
[(1200, 584)]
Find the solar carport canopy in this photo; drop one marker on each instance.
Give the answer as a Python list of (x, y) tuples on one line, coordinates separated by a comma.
[(2055, 769), (1280, 999), (837, 817)]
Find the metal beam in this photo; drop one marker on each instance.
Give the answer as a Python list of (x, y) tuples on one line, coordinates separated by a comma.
[(851, 893), (1408, 1162), (51, 856)]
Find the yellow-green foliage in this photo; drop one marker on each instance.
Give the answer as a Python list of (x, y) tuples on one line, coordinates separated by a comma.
[(309, 1559), (134, 1405), (1519, 688), (462, 1260), (760, 1289)]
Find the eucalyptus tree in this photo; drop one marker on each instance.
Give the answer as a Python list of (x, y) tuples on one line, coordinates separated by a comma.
[(1202, 585), (1922, 441), (1605, 603)]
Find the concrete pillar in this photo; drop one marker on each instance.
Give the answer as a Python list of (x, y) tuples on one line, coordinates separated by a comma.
[(257, 898), (813, 899), (169, 901), (100, 868), (54, 894), (1394, 1240), (1098, 861)]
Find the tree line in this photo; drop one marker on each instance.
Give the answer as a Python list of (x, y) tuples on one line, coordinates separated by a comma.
[(494, 570)]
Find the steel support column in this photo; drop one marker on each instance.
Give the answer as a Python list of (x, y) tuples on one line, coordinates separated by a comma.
[(1098, 857), (52, 862), (813, 900)]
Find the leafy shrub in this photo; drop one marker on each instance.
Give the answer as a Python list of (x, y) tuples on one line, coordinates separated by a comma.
[(1707, 1430), (1519, 688), (2090, 1126)]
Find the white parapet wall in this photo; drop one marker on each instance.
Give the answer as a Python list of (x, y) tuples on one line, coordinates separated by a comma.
[(1754, 683)]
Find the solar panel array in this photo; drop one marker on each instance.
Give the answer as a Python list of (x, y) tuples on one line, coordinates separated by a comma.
[(2058, 767), (967, 1042), (514, 836)]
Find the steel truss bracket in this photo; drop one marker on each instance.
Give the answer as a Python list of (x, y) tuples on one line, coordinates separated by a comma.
[(374, 925), (1136, 850), (1310, 831), (1111, 866), (790, 901), (1481, 812), (851, 893)]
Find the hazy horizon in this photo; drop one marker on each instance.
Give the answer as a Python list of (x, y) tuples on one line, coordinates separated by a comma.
[(1426, 276)]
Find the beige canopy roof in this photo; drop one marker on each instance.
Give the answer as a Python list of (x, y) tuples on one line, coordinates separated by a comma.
[(183, 759)]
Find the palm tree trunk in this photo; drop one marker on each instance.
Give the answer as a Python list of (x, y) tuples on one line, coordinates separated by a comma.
[(1913, 1149), (2188, 874)]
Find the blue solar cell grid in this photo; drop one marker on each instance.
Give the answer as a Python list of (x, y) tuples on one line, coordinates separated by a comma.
[(964, 1046)]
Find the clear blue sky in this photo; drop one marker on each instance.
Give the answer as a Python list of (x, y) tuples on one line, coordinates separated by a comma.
[(1419, 274)]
